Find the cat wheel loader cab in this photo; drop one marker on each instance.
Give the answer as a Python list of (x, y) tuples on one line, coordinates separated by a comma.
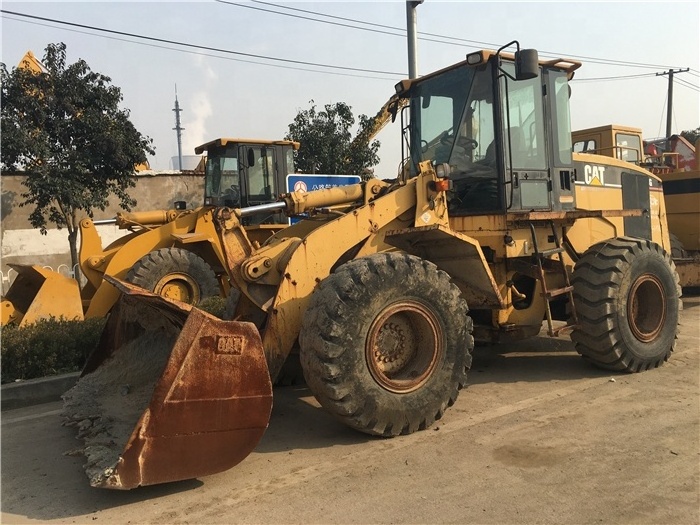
[(174, 253), (493, 227)]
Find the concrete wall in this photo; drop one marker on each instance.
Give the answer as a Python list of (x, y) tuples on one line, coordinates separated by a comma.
[(22, 244)]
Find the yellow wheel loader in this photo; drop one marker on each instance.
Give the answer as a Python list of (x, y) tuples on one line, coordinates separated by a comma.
[(175, 253), (676, 163), (493, 228)]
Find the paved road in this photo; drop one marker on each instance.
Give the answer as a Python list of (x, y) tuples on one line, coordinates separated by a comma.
[(539, 436)]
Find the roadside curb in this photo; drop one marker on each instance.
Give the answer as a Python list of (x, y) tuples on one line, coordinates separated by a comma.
[(36, 391)]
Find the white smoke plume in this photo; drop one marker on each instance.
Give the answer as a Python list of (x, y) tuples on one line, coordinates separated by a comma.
[(198, 109)]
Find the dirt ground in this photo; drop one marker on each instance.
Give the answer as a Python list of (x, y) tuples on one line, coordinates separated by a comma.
[(539, 436)]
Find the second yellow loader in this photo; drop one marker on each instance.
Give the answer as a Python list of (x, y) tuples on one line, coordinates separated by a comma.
[(175, 253)]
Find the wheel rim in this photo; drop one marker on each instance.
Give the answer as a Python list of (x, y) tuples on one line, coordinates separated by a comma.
[(646, 307), (404, 346), (178, 286)]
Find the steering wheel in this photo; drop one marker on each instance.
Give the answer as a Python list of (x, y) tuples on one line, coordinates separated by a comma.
[(446, 136), (233, 193), (467, 143)]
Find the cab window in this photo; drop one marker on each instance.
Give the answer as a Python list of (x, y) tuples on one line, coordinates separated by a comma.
[(628, 147), (222, 176), (261, 180), (523, 123), (290, 161), (585, 146), (561, 122)]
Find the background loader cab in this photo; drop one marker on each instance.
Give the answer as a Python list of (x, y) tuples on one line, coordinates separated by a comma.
[(175, 253), (620, 142), (241, 172)]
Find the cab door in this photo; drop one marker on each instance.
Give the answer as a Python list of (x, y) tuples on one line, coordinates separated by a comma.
[(558, 128), (258, 175), (528, 179)]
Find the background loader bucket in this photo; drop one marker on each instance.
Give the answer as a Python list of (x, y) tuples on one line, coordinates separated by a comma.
[(171, 393), (39, 293)]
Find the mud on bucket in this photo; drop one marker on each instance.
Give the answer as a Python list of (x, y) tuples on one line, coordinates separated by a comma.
[(170, 393)]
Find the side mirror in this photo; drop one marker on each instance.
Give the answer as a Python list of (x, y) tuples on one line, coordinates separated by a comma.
[(526, 64), (251, 157)]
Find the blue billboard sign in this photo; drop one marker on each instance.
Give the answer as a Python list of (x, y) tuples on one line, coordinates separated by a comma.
[(307, 182)]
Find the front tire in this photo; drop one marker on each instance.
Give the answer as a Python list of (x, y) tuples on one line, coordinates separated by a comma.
[(627, 298), (386, 344), (176, 274)]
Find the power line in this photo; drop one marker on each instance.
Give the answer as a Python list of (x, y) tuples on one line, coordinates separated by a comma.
[(306, 17), (196, 53), (618, 77), (327, 15), (476, 44), (472, 43), (196, 46), (626, 77), (687, 84), (300, 62), (661, 119)]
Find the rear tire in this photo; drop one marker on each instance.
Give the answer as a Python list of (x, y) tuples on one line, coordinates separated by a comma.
[(386, 344), (627, 298), (176, 274), (677, 248)]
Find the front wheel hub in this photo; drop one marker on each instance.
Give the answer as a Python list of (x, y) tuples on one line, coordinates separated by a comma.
[(178, 286), (404, 346)]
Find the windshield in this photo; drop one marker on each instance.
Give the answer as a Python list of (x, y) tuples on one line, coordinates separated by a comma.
[(452, 122)]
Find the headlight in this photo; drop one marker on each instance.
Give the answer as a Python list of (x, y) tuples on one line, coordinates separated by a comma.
[(442, 170), (476, 58)]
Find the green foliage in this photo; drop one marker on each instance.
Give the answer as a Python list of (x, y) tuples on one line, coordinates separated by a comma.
[(326, 141), (47, 348), (215, 306), (691, 135), (65, 129)]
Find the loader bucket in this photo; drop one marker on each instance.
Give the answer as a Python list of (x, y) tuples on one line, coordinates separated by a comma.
[(40, 293), (170, 393)]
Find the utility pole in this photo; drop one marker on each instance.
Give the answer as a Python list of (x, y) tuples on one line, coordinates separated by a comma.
[(412, 34), (179, 129), (669, 108)]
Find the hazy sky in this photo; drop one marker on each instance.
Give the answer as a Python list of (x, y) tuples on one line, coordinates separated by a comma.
[(223, 94)]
